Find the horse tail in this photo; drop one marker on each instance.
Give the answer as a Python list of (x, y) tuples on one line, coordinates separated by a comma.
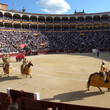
[(88, 83)]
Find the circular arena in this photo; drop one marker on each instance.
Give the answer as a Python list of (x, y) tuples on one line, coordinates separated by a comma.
[(65, 50), (60, 78)]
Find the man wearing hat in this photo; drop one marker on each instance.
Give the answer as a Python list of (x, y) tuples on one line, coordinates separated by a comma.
[(103, 70), (25, 62)]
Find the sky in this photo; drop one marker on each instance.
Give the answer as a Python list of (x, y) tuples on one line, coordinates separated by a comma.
[(58, 6)]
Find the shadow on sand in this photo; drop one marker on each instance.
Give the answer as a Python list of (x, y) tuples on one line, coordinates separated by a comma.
[(73, 96), (5, 78)]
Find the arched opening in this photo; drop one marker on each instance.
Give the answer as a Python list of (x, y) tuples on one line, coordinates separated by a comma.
[(65, 20), (33, 18), (105, 18), (41, 19), (25, 18), (96, 18), (16, 17), (72, 19), (49, 20), (41, 27), (80, 19), (57, 20), (88, 19), (7, 16)]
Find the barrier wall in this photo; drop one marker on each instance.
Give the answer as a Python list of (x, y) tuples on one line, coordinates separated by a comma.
[(10, 54), (51, 52), (70, 51), (27, 101)]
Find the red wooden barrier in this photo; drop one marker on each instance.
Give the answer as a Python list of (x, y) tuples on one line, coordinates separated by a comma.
[(17, 94), (4, 101), (30, 104), (26, 101), (62, 106)]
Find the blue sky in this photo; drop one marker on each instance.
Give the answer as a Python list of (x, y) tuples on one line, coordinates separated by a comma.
[(59, 6)]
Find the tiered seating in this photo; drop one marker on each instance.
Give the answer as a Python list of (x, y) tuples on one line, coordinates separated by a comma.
[(66, 42), (75, 42)]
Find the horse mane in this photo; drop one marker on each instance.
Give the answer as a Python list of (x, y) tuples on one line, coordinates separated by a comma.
[(29, 64), (108, 73)]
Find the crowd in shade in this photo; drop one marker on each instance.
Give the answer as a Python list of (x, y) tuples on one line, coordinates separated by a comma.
[(19, 41), (77, 41)]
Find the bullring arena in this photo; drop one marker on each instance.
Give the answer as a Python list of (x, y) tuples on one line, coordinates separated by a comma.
[(64, 51), (60, 78)]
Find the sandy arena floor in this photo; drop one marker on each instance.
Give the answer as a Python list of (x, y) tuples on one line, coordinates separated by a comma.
[(60, 78)]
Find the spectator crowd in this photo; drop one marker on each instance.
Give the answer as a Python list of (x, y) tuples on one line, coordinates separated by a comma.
[(54, 41)]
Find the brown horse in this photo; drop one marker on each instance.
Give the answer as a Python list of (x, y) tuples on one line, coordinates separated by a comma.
[(27, 70), (97, 80), (7, 69)]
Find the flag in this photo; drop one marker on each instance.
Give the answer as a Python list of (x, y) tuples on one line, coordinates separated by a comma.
[(35, 34), (81, 34), (22, 45), (42, 44)]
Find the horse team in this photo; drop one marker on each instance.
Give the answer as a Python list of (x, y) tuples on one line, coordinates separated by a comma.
[(25, 67)]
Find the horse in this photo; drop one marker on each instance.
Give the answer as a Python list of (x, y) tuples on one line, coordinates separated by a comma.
[(7, 69), (26, 70), (97, 80)]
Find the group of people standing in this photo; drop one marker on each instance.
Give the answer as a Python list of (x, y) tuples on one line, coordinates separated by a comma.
[(20, 57)]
